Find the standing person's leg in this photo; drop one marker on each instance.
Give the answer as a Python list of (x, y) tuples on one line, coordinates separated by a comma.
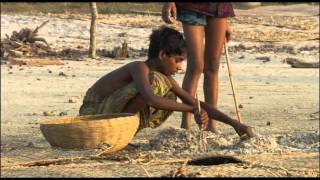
[(194, 35), (215, 33)]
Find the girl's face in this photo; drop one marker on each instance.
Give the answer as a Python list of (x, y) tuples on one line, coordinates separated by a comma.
[(171, 64)]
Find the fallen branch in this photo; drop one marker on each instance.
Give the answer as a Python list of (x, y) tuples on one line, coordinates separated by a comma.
[(58, 161), (297, 63), (159, 162), (37, 28), (34, 62), (45, 162), (145, 171)]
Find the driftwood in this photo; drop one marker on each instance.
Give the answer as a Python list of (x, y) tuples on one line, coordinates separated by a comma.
[(25, 43), (297, 63), (121, 53), (118, 52), (28, 35), (34, 62)]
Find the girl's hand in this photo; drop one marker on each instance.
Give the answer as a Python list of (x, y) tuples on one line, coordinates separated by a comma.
[(201, 118), (169, 12)]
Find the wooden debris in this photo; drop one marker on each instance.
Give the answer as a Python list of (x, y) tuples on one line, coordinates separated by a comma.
[(59, 161), (161, 162), (182, 171), (264, 59), (25, 43), (148, 174), (28, 35), (120, 53), (34, 62), (297, 63)]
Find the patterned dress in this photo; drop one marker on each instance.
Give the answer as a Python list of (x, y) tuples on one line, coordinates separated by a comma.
[(149, 116)]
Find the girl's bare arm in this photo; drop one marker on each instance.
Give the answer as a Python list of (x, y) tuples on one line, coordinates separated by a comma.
[(140, 74), (187, 98)]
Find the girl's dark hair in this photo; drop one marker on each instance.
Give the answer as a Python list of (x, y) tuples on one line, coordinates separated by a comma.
[(167, 39)]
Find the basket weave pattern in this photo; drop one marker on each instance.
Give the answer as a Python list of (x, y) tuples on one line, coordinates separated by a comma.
[(91, 131)]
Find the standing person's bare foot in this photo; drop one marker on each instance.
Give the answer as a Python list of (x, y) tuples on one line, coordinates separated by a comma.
[(212, 128), (215, 131), (244, 131)]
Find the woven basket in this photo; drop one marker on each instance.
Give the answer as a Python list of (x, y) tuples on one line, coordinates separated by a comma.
[(91, 131)]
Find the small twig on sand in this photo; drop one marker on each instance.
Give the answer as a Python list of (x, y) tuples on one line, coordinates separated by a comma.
[(276, 175), (158, 162), (181, 171), (145, 170), (57, 161), (45, 162), (37, 28)]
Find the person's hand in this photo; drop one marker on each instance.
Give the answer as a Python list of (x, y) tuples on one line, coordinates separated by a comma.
[(201, 118), (169, 12), (244, 131), (228, 33)]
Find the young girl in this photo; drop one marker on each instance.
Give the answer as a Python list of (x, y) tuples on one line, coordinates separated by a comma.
[(148, 89)]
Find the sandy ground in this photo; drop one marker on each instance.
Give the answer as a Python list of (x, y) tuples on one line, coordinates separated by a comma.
[(281, 102)]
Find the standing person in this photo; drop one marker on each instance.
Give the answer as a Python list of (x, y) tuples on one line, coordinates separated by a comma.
[(202, 22)]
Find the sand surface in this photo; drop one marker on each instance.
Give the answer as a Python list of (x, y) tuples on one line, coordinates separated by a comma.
[(281, 102)]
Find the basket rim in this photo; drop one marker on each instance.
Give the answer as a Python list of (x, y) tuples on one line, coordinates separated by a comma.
[(86, 118)]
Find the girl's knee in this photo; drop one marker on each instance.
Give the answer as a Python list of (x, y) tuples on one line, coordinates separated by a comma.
[(195, 68), (212, 65), (211, 71)]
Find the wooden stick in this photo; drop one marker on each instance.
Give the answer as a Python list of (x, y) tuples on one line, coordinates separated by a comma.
[(231, 81), (170, 161), (45, 162), (202, 139), (57, 161), (37, 28), (198, 102), (148, 174)]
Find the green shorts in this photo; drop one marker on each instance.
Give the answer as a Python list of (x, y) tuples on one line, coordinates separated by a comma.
[(149, 116)]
